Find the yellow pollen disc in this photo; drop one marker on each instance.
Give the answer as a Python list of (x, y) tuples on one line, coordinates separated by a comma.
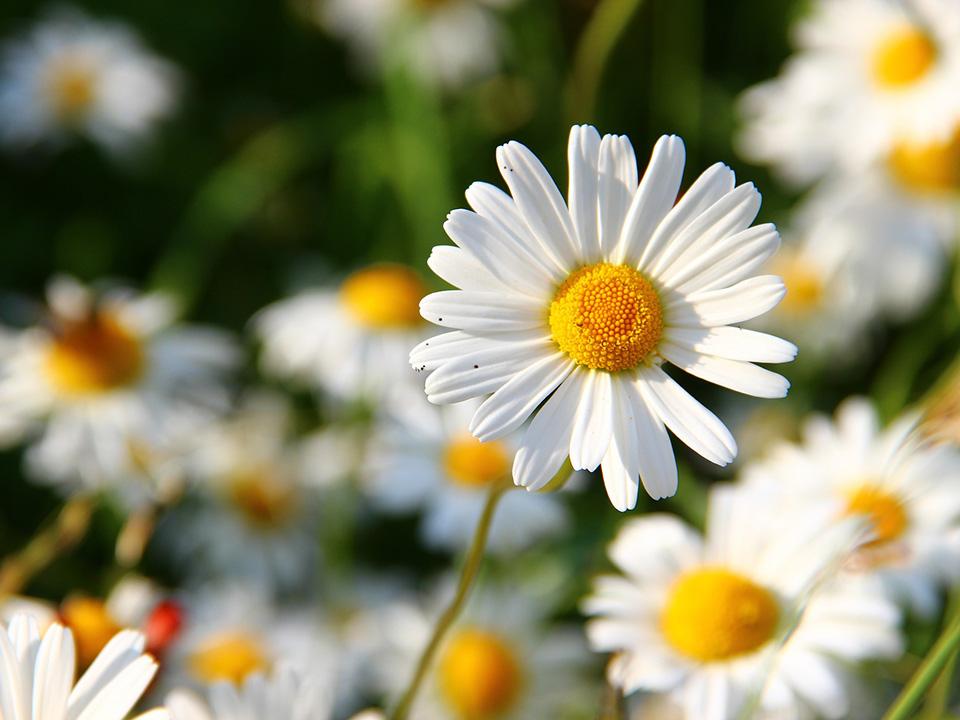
[(230, 657), (713, 615), (804, 284), (91, 624), (384, 296), (263, 498), (474, 464), (71, 88), (930, 168), (884, 510), (607, 317), (903, 57), (480, 675), (94, 355)]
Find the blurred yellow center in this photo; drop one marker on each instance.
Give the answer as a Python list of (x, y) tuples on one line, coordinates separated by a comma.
[(91, 625), (803, 282), (884, 510), (933, 167), (607, 317), (903, 57), (713, 615), (230, 657), (94, 355), (480, 675), (262, 497), (384, 296), (71, 88), (473, 464)]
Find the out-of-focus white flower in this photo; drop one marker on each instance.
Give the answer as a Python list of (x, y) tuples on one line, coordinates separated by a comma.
[(907, 488), (446, 42), (708, 620), (74, 75), (109, 387), (438, 467), (567, 311), (37, 675), (350, 341), (500, 660), (870, 75), (256, 516)]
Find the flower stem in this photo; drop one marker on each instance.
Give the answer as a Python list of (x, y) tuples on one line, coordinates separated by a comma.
[(468, 575), (67, 530), (939, 657)]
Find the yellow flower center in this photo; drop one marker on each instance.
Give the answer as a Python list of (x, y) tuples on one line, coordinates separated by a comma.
[(230, 657), (71, 87), (263, 498), (384, 297), (480, 675), (883, 509), (903, 57), (931, 168), (607, 317), (474, 464), (91, 624), (713, 615), (805, 287), (94, 355)]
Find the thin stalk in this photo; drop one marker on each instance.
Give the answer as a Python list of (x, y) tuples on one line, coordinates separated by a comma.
[(468, 575)]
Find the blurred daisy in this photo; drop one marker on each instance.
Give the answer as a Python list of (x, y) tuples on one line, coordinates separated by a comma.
[(255, 519), (440, 467), (372, 317), (706, 620), (577, 308), (445, 42), (74, 75), (907, 488), (104, 383), (501, 660), (870, 76), (37, 675)]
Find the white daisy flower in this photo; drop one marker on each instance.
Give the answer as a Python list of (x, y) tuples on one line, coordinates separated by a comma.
[(74, 75), (869, 74), (350, 341), (37, 676), (501, 660), (445, 42), (907, 488), (706, 620), (105, 383), (284, 696), (439, 467), (256, 517), (577, 309)]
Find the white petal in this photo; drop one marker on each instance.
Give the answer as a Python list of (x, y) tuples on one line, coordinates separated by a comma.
[(483, 371), (654, 197), (540, 202), (481, 311), (690, 421), (618, 185), (744, 301), (656, 548), (55, 667), (740, 376), (120, 652), (546, 441), (583, 157), (658, 464), (727, 262), (13, 700), (593, 421), (508, 407), (121, 693), (435, 351), (708, 696), (459, 268), (733, 343)]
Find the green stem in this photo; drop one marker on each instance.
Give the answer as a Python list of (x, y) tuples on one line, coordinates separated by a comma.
[(468, 575), (939, 696), (606, 26), (939, 658)]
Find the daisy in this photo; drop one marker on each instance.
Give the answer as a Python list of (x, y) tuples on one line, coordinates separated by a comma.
[(869, 75), (72, 75), (37, 675), (908, 488), (104, 384), (255, 518), (707, 620), (373, 318), (439, 467), (500, 661), (445, 42), (578, 308)]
